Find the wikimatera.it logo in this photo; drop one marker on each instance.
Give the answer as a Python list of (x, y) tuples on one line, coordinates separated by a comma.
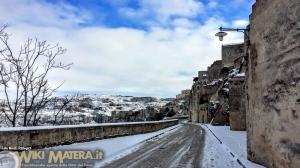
[(49, 158)]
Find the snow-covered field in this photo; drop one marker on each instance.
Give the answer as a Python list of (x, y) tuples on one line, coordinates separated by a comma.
[(225, 145), (106, 104)]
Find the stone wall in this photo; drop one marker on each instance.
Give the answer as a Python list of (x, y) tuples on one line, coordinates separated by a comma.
[(203, 113), (230, 53), (273, 111), (183, 94), (213, 72), (38, 137), (202, 75), (237, 115), (195, 101), (199, 99), (200, 114)]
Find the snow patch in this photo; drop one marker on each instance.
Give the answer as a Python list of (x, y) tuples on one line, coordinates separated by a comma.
[(233, 144)]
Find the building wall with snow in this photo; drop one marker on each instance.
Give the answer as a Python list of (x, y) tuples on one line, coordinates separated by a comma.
[(230, 53), (273, 81), (38, 137)]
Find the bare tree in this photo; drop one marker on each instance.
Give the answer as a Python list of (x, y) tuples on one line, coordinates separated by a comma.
[(23, 77), (59, 113)]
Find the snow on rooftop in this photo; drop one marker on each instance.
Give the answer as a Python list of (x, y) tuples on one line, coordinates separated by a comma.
[(241, 74), (231, 44)]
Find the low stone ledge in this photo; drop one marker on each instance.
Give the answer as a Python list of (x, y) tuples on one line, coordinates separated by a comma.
[(45, 136)]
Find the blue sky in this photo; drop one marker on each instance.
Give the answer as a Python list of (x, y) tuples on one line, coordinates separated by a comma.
[(131, 47), (109, 12)]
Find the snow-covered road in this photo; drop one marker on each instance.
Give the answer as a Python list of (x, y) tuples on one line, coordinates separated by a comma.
[(181, 148), (183, 145), (114, 148)]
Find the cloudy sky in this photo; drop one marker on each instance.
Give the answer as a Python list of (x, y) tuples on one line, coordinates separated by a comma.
[(128, 47)]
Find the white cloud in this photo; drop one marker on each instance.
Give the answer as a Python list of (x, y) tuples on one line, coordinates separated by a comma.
[(118, 60), (40, 13), (184, 22), (189, 8), (212, 4), (240, 23), (161, 11)]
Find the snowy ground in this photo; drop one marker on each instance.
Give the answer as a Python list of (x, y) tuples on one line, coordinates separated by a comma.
[(222, 148), (179, 149), (115, 148), (220, 143)]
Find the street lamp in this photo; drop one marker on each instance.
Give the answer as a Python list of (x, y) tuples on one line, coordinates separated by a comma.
[(222, 32), (221, 35)]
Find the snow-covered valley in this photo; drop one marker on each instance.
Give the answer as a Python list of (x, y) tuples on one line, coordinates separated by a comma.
[(91, 109)]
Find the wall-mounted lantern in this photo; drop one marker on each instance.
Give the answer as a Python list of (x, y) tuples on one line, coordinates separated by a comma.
[(221, 35), (222, 32)]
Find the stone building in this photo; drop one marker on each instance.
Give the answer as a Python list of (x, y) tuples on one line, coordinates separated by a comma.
[(273, 81), (200, 95), (208, 101), (266, 99), (237, 114), (184, 94), (202, 75), (198, 107), (230, 53), (213, 71), (180, 104), (234, 60)]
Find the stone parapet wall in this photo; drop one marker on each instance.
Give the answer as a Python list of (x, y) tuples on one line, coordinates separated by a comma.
[(273, 81), (51, 136)]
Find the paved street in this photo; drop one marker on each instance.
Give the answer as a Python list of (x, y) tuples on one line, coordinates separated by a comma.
[(182, 148)]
